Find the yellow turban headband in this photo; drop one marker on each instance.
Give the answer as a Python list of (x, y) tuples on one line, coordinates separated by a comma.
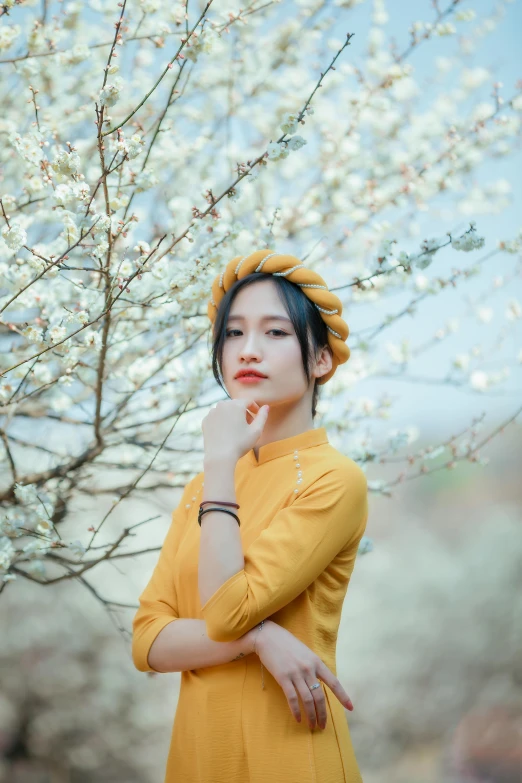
[(312, 284)]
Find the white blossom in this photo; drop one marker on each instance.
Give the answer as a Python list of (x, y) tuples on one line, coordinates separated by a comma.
[(92, 339), (296, 142), (276, 151), (202, 43), (26, 494), (444, 28), (485, 314), (56, 333), (465, 15), (14, 236), (150, 6), (479, 380), (12, 522), (135, 146), (144, 180), (110, 94), (8, 34), (36, 548), (66, 163), (76, 548), (28, 147), (78, 54), (289, 123), (468, 242), (423, 260), (33, 334)]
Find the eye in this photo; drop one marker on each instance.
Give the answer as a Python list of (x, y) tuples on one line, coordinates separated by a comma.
[(228, 333)]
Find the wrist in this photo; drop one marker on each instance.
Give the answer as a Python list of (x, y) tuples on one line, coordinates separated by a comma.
[(256, 631), (219, 461)]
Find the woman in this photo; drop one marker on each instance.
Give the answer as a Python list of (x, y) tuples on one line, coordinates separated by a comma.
[(264, 577)]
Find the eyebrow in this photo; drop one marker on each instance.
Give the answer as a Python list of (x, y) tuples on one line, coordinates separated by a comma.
[(264, 318)]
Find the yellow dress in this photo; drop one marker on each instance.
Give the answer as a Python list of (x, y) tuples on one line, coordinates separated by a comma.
[(303, 513)]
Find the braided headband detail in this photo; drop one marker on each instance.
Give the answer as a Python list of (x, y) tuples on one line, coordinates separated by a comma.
[(312, 284)]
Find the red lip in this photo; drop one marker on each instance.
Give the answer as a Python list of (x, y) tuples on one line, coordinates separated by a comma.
[(243, 373)]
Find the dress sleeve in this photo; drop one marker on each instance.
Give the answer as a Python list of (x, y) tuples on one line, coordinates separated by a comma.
[(296, 547), (158, 603)]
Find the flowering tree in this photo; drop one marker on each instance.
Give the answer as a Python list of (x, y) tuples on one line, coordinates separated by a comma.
[(144, 144)]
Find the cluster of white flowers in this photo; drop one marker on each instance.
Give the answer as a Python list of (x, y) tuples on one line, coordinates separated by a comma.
[(26, 494), (35, 548), (482, 381), (67, 163), (14, 236), (100, 223), (99, 251), (8, 34), (444, 28), (92, 339), (56, 333), (29, 147), (201, 43), (117, 202), (399, 353), (132, 147), (465, 15), (76, 548), (71, 195), (468, 242), (78, 54), (77, 317), (282, 150), (511, 245), (289, 123), (145, 180), (110, 94), (71, 230), (150, 6), (33, 334), (13, 522), (398, 71)]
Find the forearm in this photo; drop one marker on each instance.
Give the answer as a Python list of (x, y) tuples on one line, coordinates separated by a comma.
[(184, 645), (220, 549)]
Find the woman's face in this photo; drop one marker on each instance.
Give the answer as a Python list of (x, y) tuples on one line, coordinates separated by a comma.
[(269, 345)]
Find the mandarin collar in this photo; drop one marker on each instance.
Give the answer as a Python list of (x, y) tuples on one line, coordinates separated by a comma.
[(280, 448)]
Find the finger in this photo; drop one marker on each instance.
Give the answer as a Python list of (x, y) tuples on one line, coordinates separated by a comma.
[(307, 697), (291, 697), (324, 673), (320, 702)]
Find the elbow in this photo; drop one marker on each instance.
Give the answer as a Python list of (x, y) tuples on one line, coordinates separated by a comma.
[(223, 627), (228, 613), (140, 657), (146, 629)]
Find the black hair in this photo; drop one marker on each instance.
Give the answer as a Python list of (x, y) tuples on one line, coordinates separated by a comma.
[(303, 313)]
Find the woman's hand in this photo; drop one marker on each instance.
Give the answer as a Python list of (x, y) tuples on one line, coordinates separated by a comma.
[(296, 668), (232, 428)]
